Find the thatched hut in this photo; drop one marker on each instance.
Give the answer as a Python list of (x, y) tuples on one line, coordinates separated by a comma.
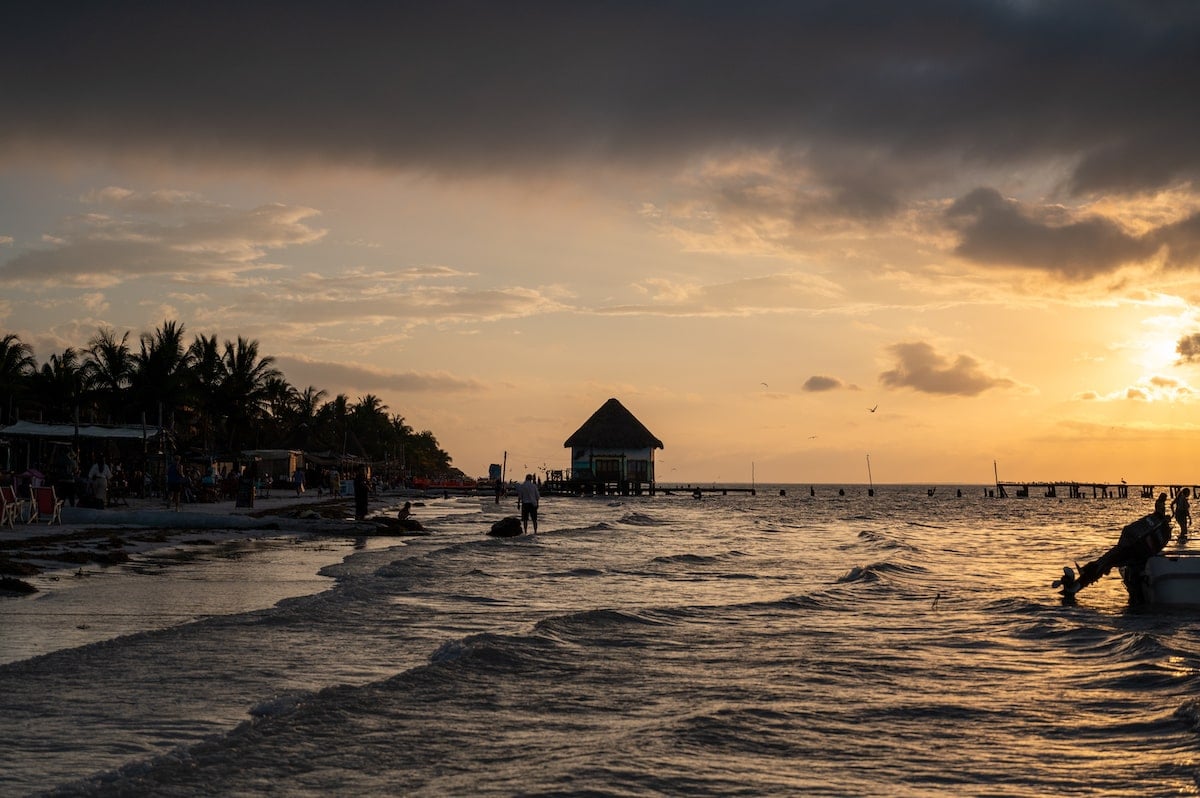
[(613, 451)]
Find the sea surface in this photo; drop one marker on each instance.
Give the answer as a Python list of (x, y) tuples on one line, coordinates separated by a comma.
[(897, 644)]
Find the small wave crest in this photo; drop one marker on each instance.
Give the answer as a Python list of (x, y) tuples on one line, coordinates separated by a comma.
[(609, 626), (283, 704), (875, 571), (1189, 713), (686, 559), (493, 652), (879, 540), (639, 519)]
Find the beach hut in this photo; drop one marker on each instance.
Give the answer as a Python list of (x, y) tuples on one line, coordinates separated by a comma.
[(278, 464), (613, 451)]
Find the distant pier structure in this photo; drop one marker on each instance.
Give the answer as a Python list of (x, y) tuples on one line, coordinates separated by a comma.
[(1079, 490)]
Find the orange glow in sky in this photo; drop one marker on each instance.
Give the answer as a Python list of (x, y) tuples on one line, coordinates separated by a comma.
[(495, 222)]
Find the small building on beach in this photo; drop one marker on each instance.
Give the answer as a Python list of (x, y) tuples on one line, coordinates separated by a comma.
[(612, 452)]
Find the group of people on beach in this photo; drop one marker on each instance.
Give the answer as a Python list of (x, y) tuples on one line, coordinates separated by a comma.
[(96, 484)]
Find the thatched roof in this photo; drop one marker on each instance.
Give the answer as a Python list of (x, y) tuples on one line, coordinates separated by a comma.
[(613, 427)]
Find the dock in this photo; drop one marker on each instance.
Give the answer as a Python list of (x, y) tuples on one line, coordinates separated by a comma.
[(700, 490), (600, 487), (1070, 489)]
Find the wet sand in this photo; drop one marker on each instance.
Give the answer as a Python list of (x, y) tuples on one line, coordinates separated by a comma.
[(88, 539)]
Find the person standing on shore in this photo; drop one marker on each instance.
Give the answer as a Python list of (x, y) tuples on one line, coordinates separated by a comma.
[(98, 478), (361, 493), (174, 483), (527, 495)]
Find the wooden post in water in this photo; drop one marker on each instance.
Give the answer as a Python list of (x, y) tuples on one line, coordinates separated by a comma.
[(870, 481)]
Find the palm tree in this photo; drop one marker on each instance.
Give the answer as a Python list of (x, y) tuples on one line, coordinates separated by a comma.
[(16, 365), (244, 391), (302, 420), (57, 386), (281, 398), (206, 375), (106, 371), (369, 420), (159, 379), (333, 423)]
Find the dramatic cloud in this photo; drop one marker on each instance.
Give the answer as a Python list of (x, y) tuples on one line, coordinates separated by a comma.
[(1182, 240), (920, 367), (172, 234), (785, 292), (1189, 348), (1154, 389), (1107, 87), (302, 371), (1000, 231)]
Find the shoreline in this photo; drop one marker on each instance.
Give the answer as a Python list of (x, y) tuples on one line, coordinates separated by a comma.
[(101, 538)]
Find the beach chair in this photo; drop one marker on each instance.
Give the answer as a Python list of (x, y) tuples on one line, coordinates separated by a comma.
[(46, 503), (10, 508)]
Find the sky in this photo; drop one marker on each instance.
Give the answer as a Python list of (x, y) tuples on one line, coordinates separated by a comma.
[(952, 238)]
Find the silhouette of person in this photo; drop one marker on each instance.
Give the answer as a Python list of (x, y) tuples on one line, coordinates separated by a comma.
[(527, 495), (361, 492), (1182, 513)]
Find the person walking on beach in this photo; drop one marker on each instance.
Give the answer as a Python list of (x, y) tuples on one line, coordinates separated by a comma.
[(499, 489), (527, 495), (361, 492), (1182, 513), (174, 483)]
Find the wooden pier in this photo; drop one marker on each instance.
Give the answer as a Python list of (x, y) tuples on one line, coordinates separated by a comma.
[(700, 490), (601, 487), (1080, 490)]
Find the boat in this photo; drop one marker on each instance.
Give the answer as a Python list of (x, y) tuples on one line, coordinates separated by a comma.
[(1171, 580), (1150, 577), (445, 484)]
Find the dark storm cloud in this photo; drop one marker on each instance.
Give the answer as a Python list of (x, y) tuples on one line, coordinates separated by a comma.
[(996, 230), (448, 86), (920, 367), (1182, 240)]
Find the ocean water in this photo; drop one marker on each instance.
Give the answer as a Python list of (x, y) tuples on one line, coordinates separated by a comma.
[(901, 644)]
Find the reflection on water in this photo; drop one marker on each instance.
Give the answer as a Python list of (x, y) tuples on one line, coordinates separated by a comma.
[(162, 589)]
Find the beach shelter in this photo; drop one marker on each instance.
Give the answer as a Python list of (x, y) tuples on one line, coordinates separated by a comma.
[(613, 448), (33, 443)]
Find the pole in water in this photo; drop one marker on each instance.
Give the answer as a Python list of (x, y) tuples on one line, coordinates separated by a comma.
[(870, 481)]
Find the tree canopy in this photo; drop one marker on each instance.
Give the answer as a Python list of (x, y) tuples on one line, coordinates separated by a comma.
[(215, 398)]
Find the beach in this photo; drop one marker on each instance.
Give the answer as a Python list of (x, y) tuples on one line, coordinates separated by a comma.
[(84, 556), (92, 537), (901, 644)]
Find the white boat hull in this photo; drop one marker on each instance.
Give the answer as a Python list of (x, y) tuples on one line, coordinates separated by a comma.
[(1169, 579)]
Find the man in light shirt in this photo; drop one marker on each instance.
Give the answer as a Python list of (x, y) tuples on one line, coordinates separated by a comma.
[(527, 495)]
